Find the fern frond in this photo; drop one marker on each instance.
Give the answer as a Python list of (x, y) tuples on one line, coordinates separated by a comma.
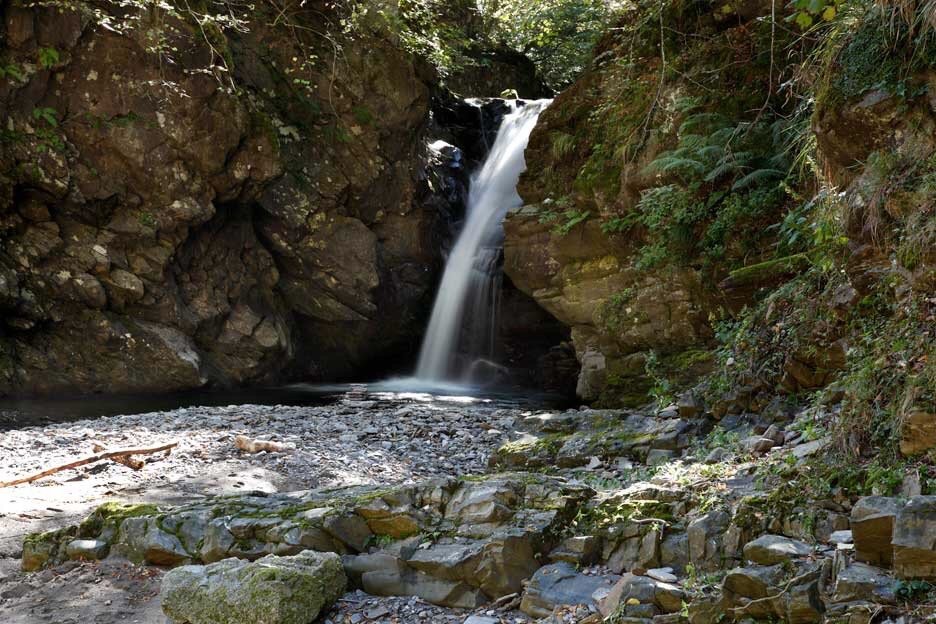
[(721, 170), (756, 177), (721, 137), (778, 161), (684, 164), (692, 141), (711, 152), (686, 104), (700, 120), (744, 158)]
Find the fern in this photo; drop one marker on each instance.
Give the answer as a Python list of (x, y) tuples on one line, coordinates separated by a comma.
[(572, 218), (686, 104), (712, 152), (722, 136), (700, 120), (693, 141), (722, 169), (562, 145), (756, 177), (676, 164)]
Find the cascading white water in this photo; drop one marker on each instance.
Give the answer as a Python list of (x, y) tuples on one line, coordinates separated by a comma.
[(466, 303)]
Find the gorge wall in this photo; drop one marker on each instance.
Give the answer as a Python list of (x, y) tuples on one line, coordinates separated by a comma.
[(662, 225), (191, 198)]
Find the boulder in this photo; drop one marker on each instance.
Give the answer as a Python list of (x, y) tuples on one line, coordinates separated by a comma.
[(783, 591), (914, 539), (705, 537), (592, 375), (578, 550), (633, 590), (664, 575), (641, 550), (689, 405), (88, 549), (482, 502), (757, 445), (872, 522), (771, 549), (403, 581), (674, 550), (918, 431), (272, 590), (860, 581), (507, 560), (752, 582), (560, 584), (455, 561), (141, 539), (656, 457)]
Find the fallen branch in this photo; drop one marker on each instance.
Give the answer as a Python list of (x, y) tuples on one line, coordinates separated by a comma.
[(89, 460), (129, 462)]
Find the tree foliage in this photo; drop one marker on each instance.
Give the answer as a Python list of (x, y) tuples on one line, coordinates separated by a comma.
[(557, 35)]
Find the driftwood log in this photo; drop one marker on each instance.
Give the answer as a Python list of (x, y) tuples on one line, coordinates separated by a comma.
[(112, 455)]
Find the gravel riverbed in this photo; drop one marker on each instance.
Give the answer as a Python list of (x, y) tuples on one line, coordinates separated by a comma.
[(387, 441)]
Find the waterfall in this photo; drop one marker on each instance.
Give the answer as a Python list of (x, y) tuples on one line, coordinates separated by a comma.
[(464, 316)]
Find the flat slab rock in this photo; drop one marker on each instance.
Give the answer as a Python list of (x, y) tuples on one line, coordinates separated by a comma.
[(770, 549), (271, 590), (561, 584)]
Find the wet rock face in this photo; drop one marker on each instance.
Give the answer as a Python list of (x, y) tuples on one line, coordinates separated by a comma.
[(153, 219)]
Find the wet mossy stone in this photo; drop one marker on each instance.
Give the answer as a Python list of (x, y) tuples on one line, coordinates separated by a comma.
[(271, 590)]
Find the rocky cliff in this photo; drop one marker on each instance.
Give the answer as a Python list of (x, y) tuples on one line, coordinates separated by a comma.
[(698, 202), (196, 197)]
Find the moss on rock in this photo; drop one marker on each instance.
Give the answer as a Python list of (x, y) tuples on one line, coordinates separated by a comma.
[(272, 590)]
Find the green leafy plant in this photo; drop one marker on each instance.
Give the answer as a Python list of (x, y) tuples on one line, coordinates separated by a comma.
[(807, 12), (662, 389), (557, 35), (11, 70), (710, 149), (617, 224), (48, 134), (48, 57), (912, 590), (47, 114), (571, 218)]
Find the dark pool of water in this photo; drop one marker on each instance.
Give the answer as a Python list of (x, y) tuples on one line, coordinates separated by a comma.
[(16, 413), (25, 412)]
